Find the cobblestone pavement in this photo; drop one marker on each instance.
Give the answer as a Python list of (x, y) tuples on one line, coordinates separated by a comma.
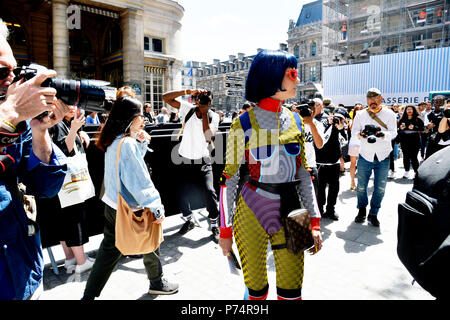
[(357, 262)]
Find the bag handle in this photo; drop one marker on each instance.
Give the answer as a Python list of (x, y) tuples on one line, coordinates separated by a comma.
[(117, 161)]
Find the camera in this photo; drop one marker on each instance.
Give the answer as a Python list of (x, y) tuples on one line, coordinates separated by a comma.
[(371, 132), (87, 94), (203, 98), (305, 108), (447, 113), (337, 118)]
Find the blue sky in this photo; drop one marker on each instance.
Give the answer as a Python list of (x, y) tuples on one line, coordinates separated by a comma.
[(231, 26)]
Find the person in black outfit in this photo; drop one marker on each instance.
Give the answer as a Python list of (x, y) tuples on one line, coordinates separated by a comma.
[(328, 160), (410, 128), (434, 119)]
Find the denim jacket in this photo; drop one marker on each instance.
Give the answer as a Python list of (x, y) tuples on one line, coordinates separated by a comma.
[(21, 260), (136, 186)]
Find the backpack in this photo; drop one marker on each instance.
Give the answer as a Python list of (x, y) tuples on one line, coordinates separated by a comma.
[(423, 232)]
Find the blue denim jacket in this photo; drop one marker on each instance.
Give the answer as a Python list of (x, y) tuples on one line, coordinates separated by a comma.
[(21, 260), (136, 186)]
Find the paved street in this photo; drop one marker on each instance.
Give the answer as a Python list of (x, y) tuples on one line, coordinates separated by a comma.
[(357, 262)]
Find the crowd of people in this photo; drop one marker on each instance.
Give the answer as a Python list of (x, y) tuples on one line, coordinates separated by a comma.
[(278, 159)]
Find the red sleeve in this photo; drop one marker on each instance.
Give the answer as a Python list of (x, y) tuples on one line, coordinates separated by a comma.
[(315, 224), (226, 233)]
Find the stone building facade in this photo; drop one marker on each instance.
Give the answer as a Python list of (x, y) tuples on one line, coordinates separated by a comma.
[(125, 42), (305, 42), (226, 80)]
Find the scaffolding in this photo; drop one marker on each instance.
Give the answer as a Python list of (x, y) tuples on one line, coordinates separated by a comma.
[(352, 31)]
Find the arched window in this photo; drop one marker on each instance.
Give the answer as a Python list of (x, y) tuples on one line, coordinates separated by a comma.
[(313, 49), (297, 51)]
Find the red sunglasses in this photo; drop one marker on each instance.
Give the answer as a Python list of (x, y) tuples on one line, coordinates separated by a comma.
[(293, 74)]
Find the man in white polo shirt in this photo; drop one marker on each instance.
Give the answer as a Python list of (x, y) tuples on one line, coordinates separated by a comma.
[(199, 127), (375, 127)]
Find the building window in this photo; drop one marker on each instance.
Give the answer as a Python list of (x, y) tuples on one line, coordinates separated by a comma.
[(312, 76), (313, 49), (297, 52), (154, 86), (153, 44)]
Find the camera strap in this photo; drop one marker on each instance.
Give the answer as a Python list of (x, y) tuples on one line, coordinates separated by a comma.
[(186, 119), (375, 117)]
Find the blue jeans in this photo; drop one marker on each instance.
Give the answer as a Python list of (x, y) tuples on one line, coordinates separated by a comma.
[(380, 170)]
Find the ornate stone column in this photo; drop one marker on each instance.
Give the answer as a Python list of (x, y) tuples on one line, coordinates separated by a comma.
[(131, 23), (60, 38)]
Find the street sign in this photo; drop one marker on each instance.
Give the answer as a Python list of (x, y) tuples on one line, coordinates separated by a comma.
[(235, 93), (234, 78), (234, 85)]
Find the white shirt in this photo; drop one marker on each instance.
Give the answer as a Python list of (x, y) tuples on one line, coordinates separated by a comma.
[(382, 147), (194, 144), (310, 152)]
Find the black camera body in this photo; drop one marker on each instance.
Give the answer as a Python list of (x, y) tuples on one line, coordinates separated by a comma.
[(304, 110), (446, 113), (371, 133), (87, 94), (305, 106), (203, 98), (337, 118)]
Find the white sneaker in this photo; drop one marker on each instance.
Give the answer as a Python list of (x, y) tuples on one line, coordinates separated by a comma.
[(391, 175), (85, 267), (70, 264), (406, 175)]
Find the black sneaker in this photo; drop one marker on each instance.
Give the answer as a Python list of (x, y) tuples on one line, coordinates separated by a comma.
[(216, 234), (187, 226), (163, 287), (361, 217), (331, 215), (372, 218)]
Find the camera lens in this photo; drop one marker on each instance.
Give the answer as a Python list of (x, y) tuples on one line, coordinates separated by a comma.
[(371, 139), (87, 94)]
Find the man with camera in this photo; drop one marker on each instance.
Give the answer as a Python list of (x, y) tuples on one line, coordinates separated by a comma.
[(434, 118), (27, 155), (199, 128), (328, 159), (313, 137), (375, 127)]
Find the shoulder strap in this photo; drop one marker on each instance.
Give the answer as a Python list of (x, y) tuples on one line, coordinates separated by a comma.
[(375, 117), (188, 116), (117, 161)]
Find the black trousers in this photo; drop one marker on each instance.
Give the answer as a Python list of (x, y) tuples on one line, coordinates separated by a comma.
[(328, 176), (410, 152), (200, 174)]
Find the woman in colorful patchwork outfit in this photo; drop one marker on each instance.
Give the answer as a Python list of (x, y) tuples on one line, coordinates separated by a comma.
[(270, 139)]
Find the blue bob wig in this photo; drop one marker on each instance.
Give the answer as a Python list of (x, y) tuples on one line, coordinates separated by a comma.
[(266, 74)]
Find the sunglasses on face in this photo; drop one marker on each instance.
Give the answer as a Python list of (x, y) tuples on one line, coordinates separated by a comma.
[(5, 71), (293, 74)]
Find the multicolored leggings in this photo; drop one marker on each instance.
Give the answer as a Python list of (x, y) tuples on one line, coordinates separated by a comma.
[(251, 241)]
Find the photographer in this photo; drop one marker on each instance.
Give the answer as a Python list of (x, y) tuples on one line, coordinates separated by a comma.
[(375, 127), (28, 156), (434, 120), (313, 137), (328, 159), (199, 127)]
